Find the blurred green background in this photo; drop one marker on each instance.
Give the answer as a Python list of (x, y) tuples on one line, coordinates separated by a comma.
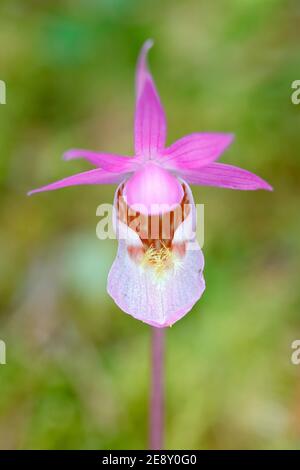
[(77, 373)]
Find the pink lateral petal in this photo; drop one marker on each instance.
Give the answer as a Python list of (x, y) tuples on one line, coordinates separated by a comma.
[(150, 121), (195, 150), (97, 176), (106, 161), (225, 176)]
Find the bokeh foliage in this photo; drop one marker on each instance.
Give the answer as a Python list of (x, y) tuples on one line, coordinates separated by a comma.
[(77, 372)]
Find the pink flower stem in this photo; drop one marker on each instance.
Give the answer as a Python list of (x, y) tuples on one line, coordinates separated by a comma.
[(157, 390)]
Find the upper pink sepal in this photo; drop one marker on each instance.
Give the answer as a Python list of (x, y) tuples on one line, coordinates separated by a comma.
[(150, 121)]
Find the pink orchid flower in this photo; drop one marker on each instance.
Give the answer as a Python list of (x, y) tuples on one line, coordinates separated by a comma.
[(158, 278)]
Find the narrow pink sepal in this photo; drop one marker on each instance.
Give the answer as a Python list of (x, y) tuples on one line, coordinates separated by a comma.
[(97, 176), (106, 161), (150, 120), (195, 150), (225, 176)]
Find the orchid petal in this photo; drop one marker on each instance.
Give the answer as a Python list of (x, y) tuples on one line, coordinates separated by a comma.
[(195, 150), (106, 161), (225, 176), (158, 301), (97, 176), (150, 121), (148, 301)]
